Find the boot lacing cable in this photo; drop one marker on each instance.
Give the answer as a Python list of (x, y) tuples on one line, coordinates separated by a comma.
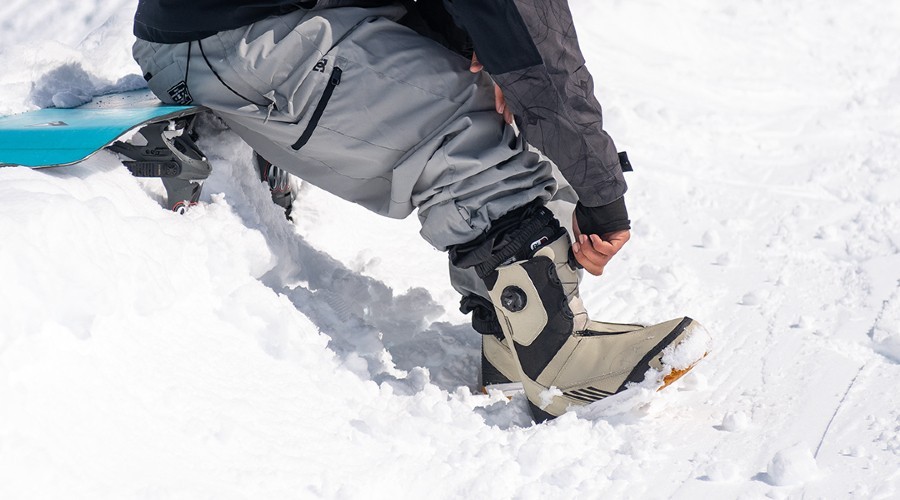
[(570, 289)]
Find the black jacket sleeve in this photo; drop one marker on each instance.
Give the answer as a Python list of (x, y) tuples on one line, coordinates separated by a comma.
[(532, 52)]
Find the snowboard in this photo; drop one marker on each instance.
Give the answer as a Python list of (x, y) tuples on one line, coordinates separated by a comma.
[(53, 137), (156, 139)]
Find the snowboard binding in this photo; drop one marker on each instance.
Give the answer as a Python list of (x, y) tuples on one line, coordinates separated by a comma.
[(168, 150), (279, 183)]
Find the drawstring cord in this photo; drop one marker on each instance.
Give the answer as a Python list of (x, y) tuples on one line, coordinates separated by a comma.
[(270, 107)]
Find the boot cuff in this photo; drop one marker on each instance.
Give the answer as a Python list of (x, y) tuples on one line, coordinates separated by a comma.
[(515, 236)]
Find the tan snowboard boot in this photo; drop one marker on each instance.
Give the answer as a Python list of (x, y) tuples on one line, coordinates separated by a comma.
[(499, 371), (564, 359)]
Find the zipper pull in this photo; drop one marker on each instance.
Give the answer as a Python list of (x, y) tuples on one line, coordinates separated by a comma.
[(336, 76), (270, 96)]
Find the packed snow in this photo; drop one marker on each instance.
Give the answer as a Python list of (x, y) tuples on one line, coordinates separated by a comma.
[(229, 353)]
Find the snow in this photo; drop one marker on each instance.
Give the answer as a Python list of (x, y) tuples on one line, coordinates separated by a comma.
[(70, 86), (683, 355), (735, 421), (791, 466), (227, 353)]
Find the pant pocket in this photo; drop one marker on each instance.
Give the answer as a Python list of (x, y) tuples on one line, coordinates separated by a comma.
[(333, 81)]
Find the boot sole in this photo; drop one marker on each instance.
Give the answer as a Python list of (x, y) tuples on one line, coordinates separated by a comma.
[(513, 388), (672, 377), (509, 390)]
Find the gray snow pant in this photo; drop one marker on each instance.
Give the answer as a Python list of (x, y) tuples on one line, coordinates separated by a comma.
[(365, 108)]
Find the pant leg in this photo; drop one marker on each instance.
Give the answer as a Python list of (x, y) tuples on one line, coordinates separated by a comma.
[(387, 118)]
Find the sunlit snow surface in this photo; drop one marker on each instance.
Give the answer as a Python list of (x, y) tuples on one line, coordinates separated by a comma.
[(229, 354)]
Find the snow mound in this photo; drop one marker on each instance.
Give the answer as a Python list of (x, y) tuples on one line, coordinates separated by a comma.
[(792, 466), (735, 421), (69, 86), (721, 471)]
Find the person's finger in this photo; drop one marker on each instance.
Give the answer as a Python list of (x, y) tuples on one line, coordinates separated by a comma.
[(587, 257), (476, 66), (603, 247), (588, 265), (589, 253), (618, 238), (596, 259), (594, 252), (499, 100)]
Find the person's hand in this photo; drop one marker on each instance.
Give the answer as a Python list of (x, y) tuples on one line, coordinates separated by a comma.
[(594, 251), (499, 100)]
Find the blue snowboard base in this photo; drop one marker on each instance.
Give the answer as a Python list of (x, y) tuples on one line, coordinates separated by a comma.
[(54, 137)]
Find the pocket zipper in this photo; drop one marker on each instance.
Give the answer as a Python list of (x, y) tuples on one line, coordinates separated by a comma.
[(333, 82)]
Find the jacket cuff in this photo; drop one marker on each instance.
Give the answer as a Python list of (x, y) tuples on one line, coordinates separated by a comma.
[(604, 219)]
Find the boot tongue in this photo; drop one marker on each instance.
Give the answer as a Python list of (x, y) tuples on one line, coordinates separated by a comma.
[(531, 247), (542, 243), (542, 248)]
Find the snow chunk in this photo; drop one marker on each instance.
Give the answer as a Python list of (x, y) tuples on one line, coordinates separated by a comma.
[(725, 259), (69, 86), (693, 381), (734, 421), (804, 323), (711, 239), (751, 299), (886, 332), (721, 471), (792, 466), (548, 395), (64, 87), (854, 451)]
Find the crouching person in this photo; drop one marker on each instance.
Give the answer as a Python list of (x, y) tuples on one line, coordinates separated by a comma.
[(345, 96)]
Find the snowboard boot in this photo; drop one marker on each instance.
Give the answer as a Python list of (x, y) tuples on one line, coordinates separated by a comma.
[(562, 358), (498, 368), (279, 183)]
